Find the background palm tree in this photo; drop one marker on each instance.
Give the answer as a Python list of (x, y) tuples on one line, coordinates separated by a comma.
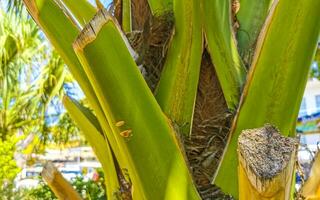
[(32, 75), (32, 79)]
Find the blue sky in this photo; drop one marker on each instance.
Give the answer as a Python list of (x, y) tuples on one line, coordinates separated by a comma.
[(105, 2)]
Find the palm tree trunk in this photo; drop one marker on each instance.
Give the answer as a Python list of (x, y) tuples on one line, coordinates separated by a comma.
[(142, 126)]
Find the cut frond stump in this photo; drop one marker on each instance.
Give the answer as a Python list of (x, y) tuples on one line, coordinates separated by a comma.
[(61, 188), (266, 164)]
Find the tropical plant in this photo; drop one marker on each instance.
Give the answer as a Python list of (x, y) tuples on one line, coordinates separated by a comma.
[(88, 189), (32, 76), (19, 46), (169, 91), (8, 167)]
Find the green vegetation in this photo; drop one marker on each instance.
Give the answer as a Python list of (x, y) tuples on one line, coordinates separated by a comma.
[(8, 167), (89, 190), (32, 78)]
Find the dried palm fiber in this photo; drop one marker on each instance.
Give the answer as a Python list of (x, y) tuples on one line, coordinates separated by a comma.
[(151, 44), (211, 124), (140, 14), (125, 190), (115, 8)]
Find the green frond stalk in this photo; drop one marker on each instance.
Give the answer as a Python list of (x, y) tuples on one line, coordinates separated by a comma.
[(158, 7), (177, 88), (216, 15), (251, 17), (90, 127), (82, 10), (133, 114), (126, 16), (276, 80)]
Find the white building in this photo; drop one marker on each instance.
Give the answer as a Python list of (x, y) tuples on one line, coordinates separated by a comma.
[(310, 105), (311, 99)]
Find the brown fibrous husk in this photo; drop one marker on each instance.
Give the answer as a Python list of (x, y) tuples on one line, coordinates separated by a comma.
[(211, 124), (141, 13), (115, 7), (151, 44)]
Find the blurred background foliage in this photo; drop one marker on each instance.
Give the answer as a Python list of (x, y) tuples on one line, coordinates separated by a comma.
[(33, 79), (8, 166), (88, 189)]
